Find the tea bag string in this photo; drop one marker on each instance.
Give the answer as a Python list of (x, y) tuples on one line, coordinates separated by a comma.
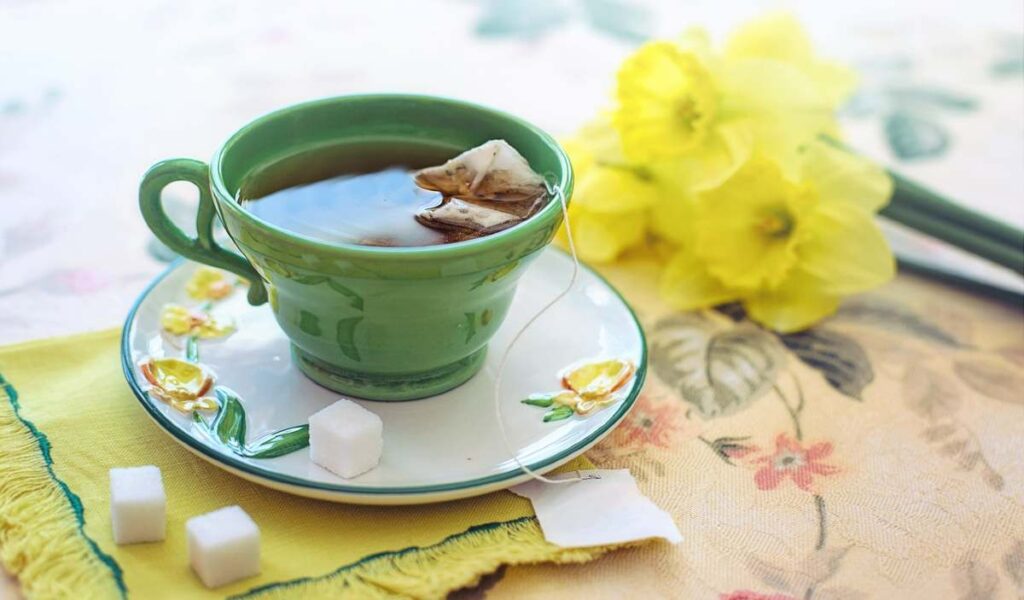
[(557, 191)]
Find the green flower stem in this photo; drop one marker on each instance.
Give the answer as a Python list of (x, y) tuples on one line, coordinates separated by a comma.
[(910, 195), (917, 207), (192, 349), (961, 235), (1001, 294)]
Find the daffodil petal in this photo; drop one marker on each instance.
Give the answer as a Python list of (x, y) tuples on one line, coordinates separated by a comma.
[(685, 284), (733, 144), (580, 156), (758, 87), (835, 82), (781, 104), (843, 247), (725, 150), (842, 176), (673, 219), (602, 237), (614, 190), (601, 140), (780, 36), (797, 304), (697, 41), (784, 139), (777, 35)]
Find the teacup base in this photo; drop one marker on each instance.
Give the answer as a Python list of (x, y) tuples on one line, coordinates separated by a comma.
[(389, 387)]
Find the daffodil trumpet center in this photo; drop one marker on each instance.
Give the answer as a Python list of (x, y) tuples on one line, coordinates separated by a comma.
[(775, 223), (666, 103), (688, 113)]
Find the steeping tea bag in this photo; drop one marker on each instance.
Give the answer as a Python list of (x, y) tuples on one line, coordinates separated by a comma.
[(492, 171), (486, 189), (459, 214)]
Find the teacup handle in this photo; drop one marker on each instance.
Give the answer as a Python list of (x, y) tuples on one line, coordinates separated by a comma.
[(202, 248)]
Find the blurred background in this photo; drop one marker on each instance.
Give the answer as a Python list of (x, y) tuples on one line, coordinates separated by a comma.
[(93, 93)]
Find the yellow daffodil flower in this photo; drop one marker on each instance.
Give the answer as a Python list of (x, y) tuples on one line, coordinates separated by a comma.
[(208, 284), (681, 101), (667, 102), (178, 320), (716, 156), (748, 228), (788, 250)]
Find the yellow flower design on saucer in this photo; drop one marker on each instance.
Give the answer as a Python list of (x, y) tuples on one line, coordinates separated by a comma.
[(180, 383), (597, 379), (179, 320), (588, 387), (209, 284)]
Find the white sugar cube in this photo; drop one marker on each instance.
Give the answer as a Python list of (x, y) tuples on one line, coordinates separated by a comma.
[(346, 439), (223, 546), (138, 507)]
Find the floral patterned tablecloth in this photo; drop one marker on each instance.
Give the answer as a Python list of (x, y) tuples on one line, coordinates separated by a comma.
[(878, 455)]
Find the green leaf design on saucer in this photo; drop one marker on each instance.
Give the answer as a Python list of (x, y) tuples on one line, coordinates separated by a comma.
[(280, 443), (229, 424), (558, 413), (541, 400), (228, 430)]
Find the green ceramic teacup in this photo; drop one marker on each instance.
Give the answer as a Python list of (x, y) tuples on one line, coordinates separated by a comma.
[(378, 323)]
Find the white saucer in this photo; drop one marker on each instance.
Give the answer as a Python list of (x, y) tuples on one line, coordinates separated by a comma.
[(435, 449)]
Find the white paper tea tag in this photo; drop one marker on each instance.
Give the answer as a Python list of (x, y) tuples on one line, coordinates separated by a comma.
[(605, 509)]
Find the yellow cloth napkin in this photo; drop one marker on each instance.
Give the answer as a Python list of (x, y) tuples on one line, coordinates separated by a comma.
[(67, 416)]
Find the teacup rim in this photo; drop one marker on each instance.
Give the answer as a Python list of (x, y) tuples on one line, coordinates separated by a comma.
[(452, 250)]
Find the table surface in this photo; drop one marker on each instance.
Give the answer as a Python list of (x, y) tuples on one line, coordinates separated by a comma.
[(93, 93)]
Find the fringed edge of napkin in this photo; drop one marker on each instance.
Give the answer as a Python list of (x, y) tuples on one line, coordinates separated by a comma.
[(460, 560), (43, 543), (41, 537)]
